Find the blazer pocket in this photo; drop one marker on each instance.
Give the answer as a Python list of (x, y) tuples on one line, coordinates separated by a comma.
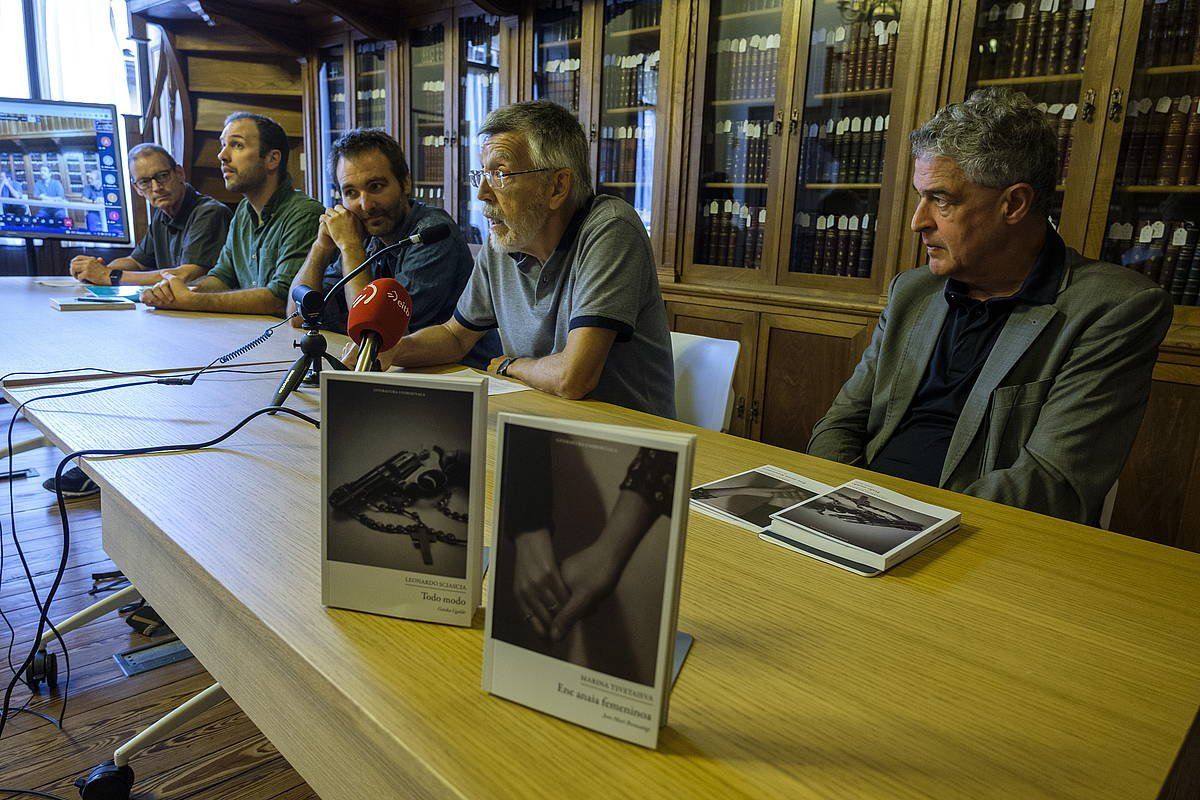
[(1014, 413)]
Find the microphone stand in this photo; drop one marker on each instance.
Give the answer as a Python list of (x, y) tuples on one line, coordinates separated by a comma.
[(306, 368)]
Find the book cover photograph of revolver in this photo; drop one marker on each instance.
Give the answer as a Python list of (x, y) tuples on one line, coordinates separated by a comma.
[(402, 464)]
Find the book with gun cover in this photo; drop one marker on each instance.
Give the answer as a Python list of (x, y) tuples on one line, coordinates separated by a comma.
[(402, 485), (860, 527), (589, 523), (748, 498)]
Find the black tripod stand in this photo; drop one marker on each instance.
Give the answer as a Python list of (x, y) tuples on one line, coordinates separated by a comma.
[(307, 368)]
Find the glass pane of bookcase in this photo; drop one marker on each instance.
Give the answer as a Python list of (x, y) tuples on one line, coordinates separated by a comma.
[(847, 114), (629, 100), (1154, 211), (370, 85), (479, 94), (739, 132), (557, 31), (426, 155), (1038, 48), (331, 87)]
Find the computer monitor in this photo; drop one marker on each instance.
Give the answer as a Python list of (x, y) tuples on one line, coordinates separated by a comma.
[(61, 175)]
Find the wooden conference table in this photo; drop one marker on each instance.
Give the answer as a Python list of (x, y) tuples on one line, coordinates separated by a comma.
[(1022, 657)]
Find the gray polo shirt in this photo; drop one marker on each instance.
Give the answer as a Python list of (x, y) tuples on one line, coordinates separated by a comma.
[(601, 275), (193, 236)]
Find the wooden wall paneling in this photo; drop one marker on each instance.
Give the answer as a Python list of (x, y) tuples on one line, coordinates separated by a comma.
[(591, 51), (397, 89), (198, 37), (237, 75), (453, 121), (1088, 137), (1159, 494), (803, 360), (725, 323), (511, 73), (311, 114)]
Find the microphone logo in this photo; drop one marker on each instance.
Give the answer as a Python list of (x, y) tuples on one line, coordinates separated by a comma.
[(401, 301), (366, 295)]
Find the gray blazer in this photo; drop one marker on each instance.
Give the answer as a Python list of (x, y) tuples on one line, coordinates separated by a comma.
[(1054, 412)]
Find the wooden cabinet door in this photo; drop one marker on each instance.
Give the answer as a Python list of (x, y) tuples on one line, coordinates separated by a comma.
[(803, 361), (724, 323)]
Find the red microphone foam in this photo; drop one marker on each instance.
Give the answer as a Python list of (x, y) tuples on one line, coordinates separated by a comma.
[(384, 307)]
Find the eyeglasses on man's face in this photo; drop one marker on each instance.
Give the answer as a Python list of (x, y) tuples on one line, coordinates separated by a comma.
[(498, 179), (161, 178)]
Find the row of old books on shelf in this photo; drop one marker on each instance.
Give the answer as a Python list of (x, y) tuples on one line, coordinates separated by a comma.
[(1062, 118), (477, 35), (1170, 33), (558, 20), (433, 164), (745, 68), (1165, 251), (1161, 145), (433, 97), (858, 56), (431, 54), (731, 234), (629, 15), (746, 145), (846, 150), (631, 80), (742, 6), (1043, 37), (559, 82), (434, 196), (626, 153), (833, 244)]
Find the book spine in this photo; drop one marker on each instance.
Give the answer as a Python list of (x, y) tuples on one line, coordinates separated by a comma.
[(829, 266), (1152, 41), (1137, 145), (866, 249), (1189, 154), (1182, 266), (1156, 129), (1191, 286), (1070, 40), (1040, 38), (1172, 146), (1023, 46)]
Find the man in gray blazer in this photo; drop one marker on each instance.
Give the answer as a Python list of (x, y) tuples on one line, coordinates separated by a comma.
[(1012, 368)]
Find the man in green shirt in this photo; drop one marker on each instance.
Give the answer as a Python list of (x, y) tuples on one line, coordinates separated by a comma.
[(272, 230)]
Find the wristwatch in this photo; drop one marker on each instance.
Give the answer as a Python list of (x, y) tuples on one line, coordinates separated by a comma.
[(505, 364), (114, 277)]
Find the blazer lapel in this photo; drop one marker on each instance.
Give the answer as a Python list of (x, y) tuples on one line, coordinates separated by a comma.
[(918, 349), (1019, 333)]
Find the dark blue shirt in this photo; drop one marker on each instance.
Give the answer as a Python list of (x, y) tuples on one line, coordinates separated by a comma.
[(434, 275), (917, 450)]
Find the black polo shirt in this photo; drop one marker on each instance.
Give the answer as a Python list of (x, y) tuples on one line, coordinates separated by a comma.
[(194, 235), (917, 450)]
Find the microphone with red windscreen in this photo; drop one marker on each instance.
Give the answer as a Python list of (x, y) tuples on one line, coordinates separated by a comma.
[(378, 319)]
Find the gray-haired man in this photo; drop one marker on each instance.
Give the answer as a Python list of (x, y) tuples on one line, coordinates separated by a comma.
[(1012, 368), (567, 277)]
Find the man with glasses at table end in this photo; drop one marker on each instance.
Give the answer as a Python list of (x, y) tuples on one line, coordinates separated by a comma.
[(567, 277), (1012, 368), (186, 232)]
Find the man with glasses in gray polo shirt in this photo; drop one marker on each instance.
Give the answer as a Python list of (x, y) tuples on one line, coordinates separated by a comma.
[(566, 276)]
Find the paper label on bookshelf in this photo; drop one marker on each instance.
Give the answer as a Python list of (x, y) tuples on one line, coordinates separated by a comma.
[(1146, 234), (993, 13), (1046, 5), (1055, 7), (1055, 109), (1179, 238), (893, 27), (1125, 233), (755, 40), (1185, 104), (762, 216), (1069, 111), (743, 45), (1089, 5), (821, 223), (853, 223), (1158, 229), (1011, 12), (1042, 107), (866, 124), (843, 222), (1144, 105), (839, 34), (1163, 105), (1114, 230), (728, 207), (866, 221), (715, 207), (819, 35)]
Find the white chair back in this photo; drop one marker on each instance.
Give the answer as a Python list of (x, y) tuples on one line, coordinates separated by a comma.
[(704, 379)]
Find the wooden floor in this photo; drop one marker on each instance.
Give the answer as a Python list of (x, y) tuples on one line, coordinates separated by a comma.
[(218, 755)]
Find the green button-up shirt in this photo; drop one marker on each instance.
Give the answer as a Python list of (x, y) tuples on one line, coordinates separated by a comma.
[(268, 253)]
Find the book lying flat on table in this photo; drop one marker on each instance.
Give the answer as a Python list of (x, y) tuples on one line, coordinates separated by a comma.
[(90, 303), (860, 527), (749, 498)]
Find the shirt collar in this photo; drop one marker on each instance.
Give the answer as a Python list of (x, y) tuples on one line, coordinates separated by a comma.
[(190, 196), (525, 262), (282, 193), (1040, 286)]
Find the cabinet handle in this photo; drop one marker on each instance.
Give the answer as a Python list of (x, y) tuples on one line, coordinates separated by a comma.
[(795, 122), (1088, 108), (592, 133), (1114, 105), (740, 408), (753, 411), (779, 123)]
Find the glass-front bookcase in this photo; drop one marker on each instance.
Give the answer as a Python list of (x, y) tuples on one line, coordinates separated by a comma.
[(1154, 207), (480, 89), (331, 90), (558, 52), (370, 84), (740, 103), (631, 54), (427, 121)]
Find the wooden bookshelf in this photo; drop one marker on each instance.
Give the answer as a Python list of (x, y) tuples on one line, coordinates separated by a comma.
[(1067, 77)]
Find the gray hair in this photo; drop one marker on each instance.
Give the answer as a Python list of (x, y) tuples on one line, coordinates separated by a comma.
[(555, 139), (148, 149), (998, 137)]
